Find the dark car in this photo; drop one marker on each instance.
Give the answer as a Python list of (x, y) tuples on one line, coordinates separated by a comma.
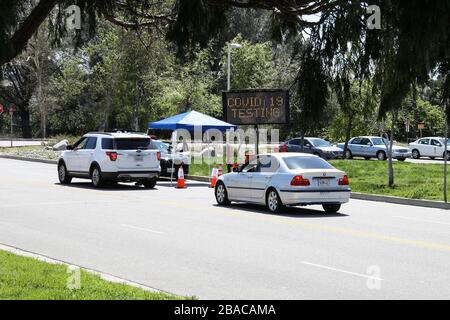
[(317, 146), (179, 159)]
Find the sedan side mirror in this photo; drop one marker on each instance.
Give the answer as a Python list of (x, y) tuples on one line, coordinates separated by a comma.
[(69, 147)]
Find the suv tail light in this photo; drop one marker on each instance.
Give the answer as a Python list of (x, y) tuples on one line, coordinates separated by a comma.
[(112, 155), (158, 155), (283, 148), (299, 181), (343, 181)]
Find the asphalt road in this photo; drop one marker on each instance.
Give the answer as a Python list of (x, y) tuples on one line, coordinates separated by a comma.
[(180, 241)]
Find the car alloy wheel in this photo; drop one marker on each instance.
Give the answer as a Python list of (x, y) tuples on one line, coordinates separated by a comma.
[(63, 177), (381, 156), (348, 154), (96, 177), (415, 154), (221, 195), (273, 201), (62, 173)]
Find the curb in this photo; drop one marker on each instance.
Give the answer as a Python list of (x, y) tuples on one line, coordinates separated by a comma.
[(399, 200), (105, 276), (7, 156), (353, 195)]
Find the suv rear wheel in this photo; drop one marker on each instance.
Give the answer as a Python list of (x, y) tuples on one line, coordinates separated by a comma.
[(96, 177), (149, 184)]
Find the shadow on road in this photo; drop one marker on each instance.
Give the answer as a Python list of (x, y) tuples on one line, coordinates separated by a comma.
[(291, 212), (107, 187)]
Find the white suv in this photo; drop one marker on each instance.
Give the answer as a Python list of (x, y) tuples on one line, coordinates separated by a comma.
[(111, 157)]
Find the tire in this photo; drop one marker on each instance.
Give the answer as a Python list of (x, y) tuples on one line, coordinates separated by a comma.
[(401, 159), (381, 155), (366, 158), (149, 184), (432, 158), (348, 155), (415, 154), (331, 208), (221, 194), (96, 177), (273, 201), (63, 176)]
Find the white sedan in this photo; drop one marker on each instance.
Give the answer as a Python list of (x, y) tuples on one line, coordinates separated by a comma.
[(433, 147), (279, 179)]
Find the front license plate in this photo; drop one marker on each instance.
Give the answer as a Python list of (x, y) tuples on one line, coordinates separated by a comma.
[(170, 170), (324, 182)]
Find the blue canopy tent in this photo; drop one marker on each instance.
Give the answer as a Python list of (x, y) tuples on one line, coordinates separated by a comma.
[(190, 120)]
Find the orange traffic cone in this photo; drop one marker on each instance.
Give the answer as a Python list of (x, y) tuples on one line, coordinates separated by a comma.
[(180, 182), (213, 177)]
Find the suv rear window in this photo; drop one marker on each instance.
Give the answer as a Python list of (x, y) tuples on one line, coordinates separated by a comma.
[(306, 163), (107, 144), (133, 143)]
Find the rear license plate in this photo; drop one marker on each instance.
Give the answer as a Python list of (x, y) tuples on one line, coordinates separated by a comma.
[(138, 158), (324, 182), (170, 170)]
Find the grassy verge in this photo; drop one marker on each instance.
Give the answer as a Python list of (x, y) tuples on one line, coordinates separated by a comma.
[(28, 278), (412, 180), (35, 152)]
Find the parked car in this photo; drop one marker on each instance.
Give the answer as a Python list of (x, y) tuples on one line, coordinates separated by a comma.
[(110, 157), (432, 147), (373, 147), (316, 146), (279, 179), (167, 155)]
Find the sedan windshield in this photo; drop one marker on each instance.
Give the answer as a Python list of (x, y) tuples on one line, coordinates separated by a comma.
[(160, 146), (379, 141), (306, 163), (320, 143)]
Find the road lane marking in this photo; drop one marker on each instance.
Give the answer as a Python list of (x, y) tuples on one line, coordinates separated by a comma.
[(142, 229), (342, 271), (422, 220), (323, 227)]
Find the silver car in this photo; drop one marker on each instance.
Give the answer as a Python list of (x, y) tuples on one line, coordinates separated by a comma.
[(279, 179), (373, 147)]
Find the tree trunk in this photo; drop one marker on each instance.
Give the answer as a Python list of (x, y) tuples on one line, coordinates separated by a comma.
[(24, 114), (348, 132), (391, 143), (445, 160), (302, 141)]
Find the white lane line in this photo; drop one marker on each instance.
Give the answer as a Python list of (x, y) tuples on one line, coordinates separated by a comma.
[(343, 271), (422, 220), (142, 229)]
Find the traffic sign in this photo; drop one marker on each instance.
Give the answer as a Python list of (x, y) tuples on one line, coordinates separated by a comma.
[(1, 108)]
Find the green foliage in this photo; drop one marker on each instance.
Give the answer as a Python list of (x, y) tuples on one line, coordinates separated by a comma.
[(252, 65)]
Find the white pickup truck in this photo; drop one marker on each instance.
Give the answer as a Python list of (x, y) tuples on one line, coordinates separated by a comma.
[(111, 157)]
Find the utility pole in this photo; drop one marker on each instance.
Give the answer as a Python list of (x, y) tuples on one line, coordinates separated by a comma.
[(11, 113), (230, 46)]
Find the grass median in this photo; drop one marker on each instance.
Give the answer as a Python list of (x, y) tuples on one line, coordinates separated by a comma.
[(24, 278)]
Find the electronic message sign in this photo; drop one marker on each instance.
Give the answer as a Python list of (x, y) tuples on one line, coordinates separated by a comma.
[(248, 107)]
